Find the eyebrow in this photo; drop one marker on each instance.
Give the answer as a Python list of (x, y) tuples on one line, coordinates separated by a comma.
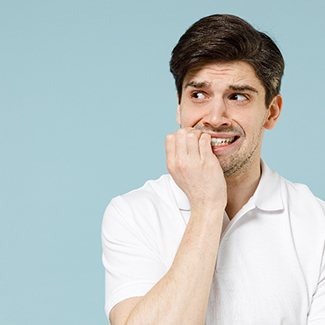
[(205, 84), (198, 84), (243, 88)]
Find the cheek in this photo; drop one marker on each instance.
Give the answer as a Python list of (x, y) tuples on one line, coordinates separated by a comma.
[(254, 131), (189, 117), (251, 123)]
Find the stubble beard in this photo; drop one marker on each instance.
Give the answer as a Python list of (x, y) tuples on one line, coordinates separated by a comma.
[(239, 162), (235, 165)]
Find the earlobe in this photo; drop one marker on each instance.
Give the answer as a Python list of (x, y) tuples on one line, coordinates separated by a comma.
[(274, 112)]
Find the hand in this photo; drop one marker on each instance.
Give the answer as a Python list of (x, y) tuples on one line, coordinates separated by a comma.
[(195, 169)]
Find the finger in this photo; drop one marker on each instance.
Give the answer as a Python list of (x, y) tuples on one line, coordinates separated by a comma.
[(192, 140), (170, 150), (180, 143), (205, 145)]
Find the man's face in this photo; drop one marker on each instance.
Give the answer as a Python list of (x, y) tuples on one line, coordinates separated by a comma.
[(227, 100)]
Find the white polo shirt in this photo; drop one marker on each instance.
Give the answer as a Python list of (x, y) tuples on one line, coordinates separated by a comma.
[(271, 265)]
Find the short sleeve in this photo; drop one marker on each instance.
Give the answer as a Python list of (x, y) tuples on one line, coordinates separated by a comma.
[(316, 314), (132, 266)]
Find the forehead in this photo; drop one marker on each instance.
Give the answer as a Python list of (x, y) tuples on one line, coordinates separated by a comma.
[(225, 74)]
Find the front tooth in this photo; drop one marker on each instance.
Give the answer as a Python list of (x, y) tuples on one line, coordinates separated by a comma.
[(221, 141)]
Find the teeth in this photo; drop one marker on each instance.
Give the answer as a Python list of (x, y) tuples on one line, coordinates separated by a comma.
[(221, 141)]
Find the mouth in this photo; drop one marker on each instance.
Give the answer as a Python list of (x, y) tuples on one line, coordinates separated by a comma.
[(222, 141), (218, 142), (225, 144)]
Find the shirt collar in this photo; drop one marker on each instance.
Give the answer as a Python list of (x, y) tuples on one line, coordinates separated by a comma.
[(267, 196)]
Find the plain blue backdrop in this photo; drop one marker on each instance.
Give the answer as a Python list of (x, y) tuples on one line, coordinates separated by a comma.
[(86, 99)]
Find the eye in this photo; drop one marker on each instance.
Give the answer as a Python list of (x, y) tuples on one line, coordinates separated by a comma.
[(238, 97), (199, 95)]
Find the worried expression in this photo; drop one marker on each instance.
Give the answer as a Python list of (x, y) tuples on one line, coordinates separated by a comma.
[(227, 101)]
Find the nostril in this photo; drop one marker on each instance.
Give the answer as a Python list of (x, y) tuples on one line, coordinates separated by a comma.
[(216, 123)]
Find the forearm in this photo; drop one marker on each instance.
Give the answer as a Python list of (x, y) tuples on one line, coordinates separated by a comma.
[(181, 296)]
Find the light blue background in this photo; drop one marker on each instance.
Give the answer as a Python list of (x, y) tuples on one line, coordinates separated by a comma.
[(86, 99)]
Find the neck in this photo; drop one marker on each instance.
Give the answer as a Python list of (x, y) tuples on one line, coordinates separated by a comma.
[(241, 187)]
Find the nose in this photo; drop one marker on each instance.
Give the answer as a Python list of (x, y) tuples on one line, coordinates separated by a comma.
[(217, 115)]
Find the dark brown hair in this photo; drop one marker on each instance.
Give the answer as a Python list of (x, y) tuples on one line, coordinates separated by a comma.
[(225, 38)]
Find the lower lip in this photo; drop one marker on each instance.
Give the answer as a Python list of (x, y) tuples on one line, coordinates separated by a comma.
[(225, 148)]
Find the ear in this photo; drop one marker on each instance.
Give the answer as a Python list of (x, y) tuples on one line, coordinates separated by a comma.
[(274, 112)]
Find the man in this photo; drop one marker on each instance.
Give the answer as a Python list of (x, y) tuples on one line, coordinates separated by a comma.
[(221, 239)]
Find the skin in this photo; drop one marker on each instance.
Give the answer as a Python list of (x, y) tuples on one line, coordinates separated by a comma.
[(214, 180), (223, 99)]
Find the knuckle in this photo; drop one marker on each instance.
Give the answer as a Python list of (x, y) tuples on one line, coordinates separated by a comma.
[(190, 135), (197, 132), (181, 164), (205, 136), (181, 131), (169, 138)]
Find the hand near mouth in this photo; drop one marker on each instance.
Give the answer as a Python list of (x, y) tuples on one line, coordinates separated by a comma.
[(195, 169)]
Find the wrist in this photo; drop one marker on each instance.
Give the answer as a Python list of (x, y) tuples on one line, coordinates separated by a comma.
[(208, 211)]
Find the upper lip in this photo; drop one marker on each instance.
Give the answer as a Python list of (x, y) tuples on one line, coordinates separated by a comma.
[(222, 135)]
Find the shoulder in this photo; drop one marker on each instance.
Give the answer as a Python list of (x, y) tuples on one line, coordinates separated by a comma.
[(153, 193), (301, 195), (304, 207), (145, 206)]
